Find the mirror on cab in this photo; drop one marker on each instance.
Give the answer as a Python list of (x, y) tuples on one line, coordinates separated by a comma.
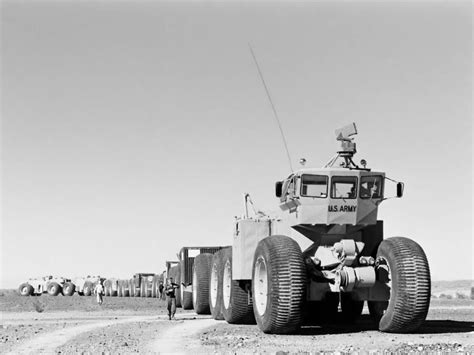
[(400, 186), (278, 188)]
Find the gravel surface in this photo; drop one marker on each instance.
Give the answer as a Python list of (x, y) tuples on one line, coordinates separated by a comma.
[(71, 325)]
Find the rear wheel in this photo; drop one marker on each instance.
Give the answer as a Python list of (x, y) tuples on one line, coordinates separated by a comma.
[(236, 306), (142, 287), (125, 288), (177, 280), (87, 290), (215, 286), (25, 289), (201, 276), (68, 289), (154, 285), (278, 285), (119, 289), (54, 289), (402, 265)]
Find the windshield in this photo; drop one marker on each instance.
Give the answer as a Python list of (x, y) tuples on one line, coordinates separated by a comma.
[(371, 186), (344, 187), (314, 186)]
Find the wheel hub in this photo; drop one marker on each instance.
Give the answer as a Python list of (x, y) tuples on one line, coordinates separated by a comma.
[(261, 285), (227, 284), (214, 285)]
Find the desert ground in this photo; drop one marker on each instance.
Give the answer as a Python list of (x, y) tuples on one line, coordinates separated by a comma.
[(70, 325)]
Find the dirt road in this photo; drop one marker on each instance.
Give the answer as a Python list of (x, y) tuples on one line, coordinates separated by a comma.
[(131, 325)]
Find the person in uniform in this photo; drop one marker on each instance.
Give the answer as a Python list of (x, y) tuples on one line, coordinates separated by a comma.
[(99, 291), (171, 297)]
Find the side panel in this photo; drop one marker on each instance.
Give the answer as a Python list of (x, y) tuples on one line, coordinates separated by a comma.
[(247, 234)]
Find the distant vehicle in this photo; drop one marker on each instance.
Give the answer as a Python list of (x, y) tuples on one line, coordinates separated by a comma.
[(47, 284)]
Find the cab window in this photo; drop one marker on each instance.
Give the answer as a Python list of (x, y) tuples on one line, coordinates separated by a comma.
[(344, 187), (314, 185), (371, 186)]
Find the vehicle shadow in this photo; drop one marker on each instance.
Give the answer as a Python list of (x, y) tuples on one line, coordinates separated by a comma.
[(365, 323)]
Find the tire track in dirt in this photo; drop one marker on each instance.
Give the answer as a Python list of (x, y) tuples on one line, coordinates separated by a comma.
[(181, 337), (47, 343)]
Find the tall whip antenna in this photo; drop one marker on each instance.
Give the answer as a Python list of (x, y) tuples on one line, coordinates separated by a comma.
[(273, 106)]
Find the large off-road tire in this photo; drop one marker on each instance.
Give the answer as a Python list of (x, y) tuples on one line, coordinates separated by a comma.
[(278, 285), (68, 289), (236, 307), (114, 288), (351, 308), (154, 286), (142, 288), (26, 289), (201, 277), (215, 286), (54, 289), (125, 288), (131, 287), (402, 265), (186, 298), (119, 289), (177, 280), (88, 288)]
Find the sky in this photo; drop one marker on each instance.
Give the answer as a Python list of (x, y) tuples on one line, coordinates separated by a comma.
[(132, 128)]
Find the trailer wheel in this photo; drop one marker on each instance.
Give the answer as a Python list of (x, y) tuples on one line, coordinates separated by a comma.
[(142, 288), (25, 289), (154, 285), (187, 298), (236, 307), (215, 286), (87, 290), (125, 288), (54, 289), (68, 289), (201, 277), (119, 289), (402, 265), (131, 287), (351, 309), (177, 280), (278, 285)]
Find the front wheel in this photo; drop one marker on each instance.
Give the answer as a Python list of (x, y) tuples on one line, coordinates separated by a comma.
[(26, 289), (402, 265), (278, 285)]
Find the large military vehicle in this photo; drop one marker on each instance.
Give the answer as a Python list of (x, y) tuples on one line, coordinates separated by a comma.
[(47, 284), (267, 278), (142, 285)]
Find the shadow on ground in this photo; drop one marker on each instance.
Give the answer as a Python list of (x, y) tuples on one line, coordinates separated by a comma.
[(365, 323)]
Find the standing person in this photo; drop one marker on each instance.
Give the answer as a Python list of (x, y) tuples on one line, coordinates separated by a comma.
[(160, 289), (171, 297), (99, 291)]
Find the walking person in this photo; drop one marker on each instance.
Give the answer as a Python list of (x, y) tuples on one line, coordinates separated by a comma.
[(171, 297), (99, 291)]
